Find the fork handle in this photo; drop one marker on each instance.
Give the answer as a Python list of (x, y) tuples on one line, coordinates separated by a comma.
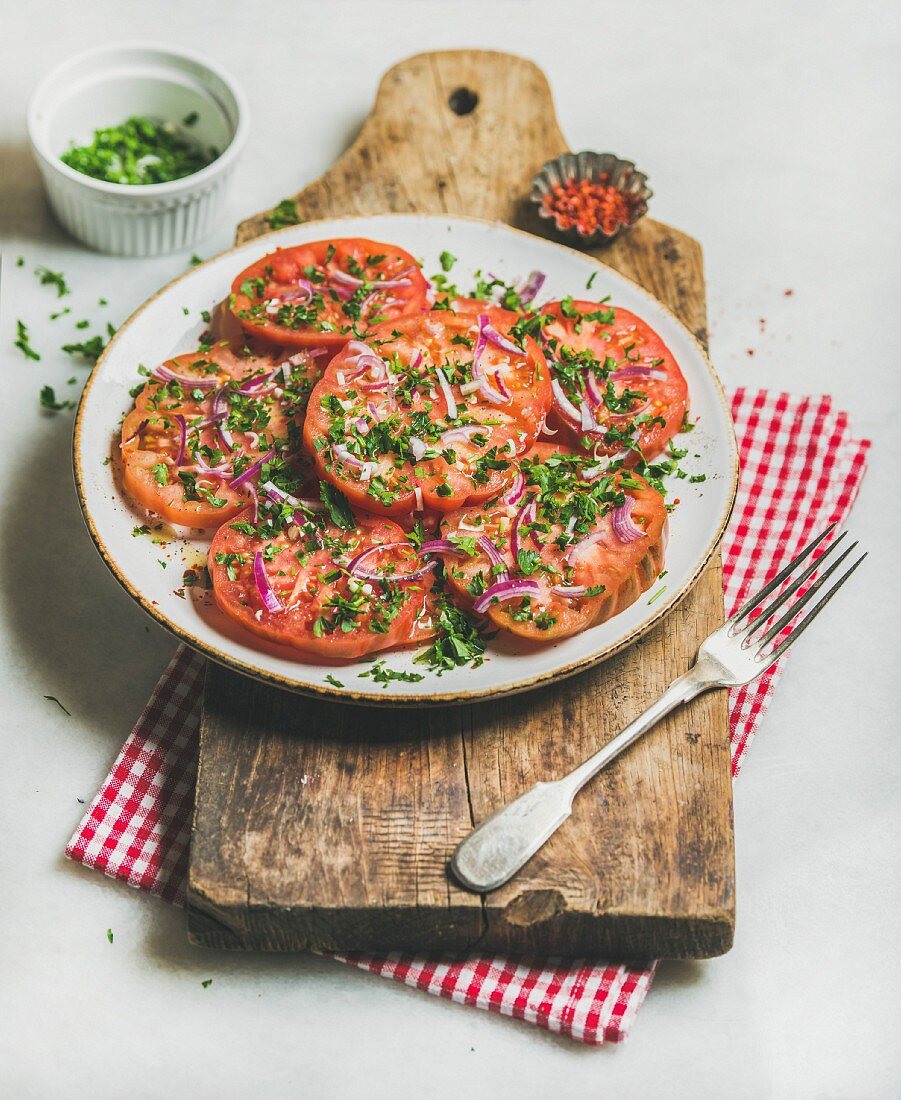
[(507, 840)]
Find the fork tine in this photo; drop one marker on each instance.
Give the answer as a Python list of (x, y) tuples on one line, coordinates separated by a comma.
[(777, 628), (811, 614), (781, 576), (768, 612)]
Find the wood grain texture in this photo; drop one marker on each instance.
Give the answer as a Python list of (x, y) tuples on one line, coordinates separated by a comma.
[(319, 825)]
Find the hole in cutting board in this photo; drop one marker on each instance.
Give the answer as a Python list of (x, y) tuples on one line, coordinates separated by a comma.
[(463, 101)]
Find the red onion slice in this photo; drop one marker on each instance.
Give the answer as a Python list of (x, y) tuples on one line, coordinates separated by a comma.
[(356, 565), (253, 470), (301, 294), (164, 374), (264, 588), (639, 372), (251, 387), (530, 287), (624, 527), (447, 394), (374, 412), (492, 336), (504, 591), (343, 455), (514, 494), (441, 546), (592, 388), (463, 434), (589, 540), (136, 433), (220, 406), (488, 548), (564, 406), (182, 439), (569, 592)]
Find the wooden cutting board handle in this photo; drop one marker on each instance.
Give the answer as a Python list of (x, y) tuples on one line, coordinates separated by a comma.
[(322, 825)]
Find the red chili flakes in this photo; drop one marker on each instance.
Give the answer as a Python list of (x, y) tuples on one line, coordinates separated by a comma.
[(788, 293), (750, 351), (590, 205)]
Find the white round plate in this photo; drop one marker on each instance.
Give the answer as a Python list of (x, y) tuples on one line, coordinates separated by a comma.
[(151, 565)]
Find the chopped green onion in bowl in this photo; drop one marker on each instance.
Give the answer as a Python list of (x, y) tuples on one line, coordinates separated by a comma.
[(140, 151)]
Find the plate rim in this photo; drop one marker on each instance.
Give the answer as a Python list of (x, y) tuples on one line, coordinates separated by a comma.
[(363, 697)]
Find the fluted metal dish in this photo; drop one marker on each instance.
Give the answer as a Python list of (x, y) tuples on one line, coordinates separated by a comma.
[(599, 167)]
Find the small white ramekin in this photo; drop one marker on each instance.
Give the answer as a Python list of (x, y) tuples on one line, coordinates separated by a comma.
[(104, 87)]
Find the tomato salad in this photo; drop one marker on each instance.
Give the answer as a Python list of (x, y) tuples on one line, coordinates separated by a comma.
[(387, 462)]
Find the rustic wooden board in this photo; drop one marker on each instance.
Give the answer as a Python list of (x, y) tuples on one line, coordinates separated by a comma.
[(322, 825)]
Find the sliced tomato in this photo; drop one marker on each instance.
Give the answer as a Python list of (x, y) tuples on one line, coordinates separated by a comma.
[(308, 597), (617, 385), (321, 294), (430, 414), (572, 548), (183, 444)]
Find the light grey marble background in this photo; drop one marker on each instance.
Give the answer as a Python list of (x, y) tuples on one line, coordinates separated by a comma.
[(770, 132)]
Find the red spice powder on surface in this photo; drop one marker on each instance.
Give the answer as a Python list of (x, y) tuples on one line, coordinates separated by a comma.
[(589, 205)]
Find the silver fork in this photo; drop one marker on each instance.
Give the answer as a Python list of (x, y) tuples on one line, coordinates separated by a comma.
[(741, 650)]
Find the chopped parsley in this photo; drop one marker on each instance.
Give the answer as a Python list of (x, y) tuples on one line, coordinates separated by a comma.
[(53, 278), (380, 674), (50, 403), (139, 151), (23, 341), (458, 641), (338, 508), (447, 261), (284, 214), (53, 699), (331, 680)]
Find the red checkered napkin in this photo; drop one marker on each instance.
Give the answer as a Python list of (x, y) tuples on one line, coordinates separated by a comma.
[(801, 469)]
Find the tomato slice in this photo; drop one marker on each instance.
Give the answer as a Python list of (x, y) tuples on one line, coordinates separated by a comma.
[(323, 293), (576, 547), (308, 597), (617, 384), (184, 443), (430, 414)]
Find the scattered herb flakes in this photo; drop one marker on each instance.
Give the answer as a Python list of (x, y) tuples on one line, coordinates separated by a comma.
[(335, 683), (383, 675), (109, 934), (185, 310), (656, 595), (90, 349), (80, 801), (102, 302), (189, 578), (695, 479), (190, 119), (136, 532), (206, 983), (164, 564), (82, 324), (195, 259), (60, 313), (448, 259), (106, 461), (49, 402), (284, 214), (23, 342), (53, 278), (20, 262), (591, 279), (205, 316), (53, 699)]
